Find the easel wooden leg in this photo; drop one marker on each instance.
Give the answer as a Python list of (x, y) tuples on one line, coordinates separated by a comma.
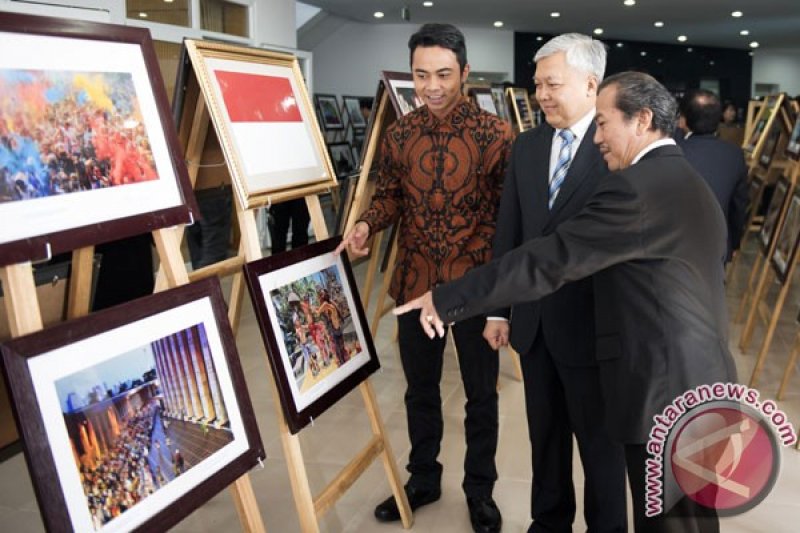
[(389, 463), (757, 295), (789, 367), (384, 290), (24, 314), (80, 282), (246, 505), (372, 268), (747, 296)]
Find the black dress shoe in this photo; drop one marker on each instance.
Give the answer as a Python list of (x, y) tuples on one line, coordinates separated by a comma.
[(387, 510), (484, 515)]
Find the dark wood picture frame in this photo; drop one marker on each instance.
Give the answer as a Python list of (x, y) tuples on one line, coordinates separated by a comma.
[(770, 145), (352, 106), (342, 158), (88, 216), (88, 339), (401, 91), (330, 116), (793, 146), (788, 238), (775, 211), (284, 272)]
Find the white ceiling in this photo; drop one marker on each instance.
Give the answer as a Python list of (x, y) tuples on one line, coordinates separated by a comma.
[(772, 23)]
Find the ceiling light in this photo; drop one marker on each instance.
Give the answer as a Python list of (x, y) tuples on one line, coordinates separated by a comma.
[(711, 63), (539, 38), (598, 31), (629, 2), (754, 44), (690, 49), (744, 32), (555, 14), (659, 60), (642, 53), (658, 24), (427, 4), (378, 14), (498, 23), (620, 45), (142, 15), (736, 14), (682, 38), (168, 1)]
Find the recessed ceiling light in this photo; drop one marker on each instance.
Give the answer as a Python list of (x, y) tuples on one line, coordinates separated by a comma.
[(736, 14), (539, 38), (427, 4), (498, 23), (598, 31), (744, 32), (750, 54), (658, 24), (142, 14), (754, 44), (682, 38), (642, 53), (629, 2), (378, 14), (711, 63), (620, 45), (168, 1), (690, 49), (555, 14), (659, 60)]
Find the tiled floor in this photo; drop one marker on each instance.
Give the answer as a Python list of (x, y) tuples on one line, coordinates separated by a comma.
[(341, 432)]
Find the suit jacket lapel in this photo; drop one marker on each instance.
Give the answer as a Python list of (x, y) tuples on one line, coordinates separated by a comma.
[(583, 161)]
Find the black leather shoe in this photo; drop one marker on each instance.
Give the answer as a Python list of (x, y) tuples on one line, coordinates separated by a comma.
[(387, 510), (484, 515)]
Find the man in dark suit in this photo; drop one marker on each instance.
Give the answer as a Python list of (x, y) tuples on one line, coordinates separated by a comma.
[(652, 234), (555, 335), (719, 162)]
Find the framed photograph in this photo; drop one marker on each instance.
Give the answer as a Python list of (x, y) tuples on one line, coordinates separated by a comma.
[(521, 107), (793, 146), (401, 92), (88, 150), (483, 97), (264, 120), (317, 337), (770, 145), (786, 247), (352, 105), (499, 97), (763, 120), (343, 158), (777, 206), (328, 108), (134, 416)]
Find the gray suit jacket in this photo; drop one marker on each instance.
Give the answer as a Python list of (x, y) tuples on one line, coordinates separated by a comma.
[(566, 317), (653, 236)]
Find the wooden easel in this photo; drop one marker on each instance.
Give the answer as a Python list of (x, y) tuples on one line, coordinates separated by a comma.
[(770, 316), (24, 316), (787, 373), (757, 281), (193, 131), (768, 115)]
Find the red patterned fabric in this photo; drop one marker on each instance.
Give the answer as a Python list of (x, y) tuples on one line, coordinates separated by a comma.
[(442, 180)]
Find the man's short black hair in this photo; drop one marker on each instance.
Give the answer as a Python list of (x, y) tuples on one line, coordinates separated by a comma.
[(444, 35), (702, 111)]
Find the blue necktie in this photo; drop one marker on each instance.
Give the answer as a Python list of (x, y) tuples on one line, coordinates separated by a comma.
[(564, 159)]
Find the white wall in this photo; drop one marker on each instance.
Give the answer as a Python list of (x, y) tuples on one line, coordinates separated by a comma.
[(272, 21), (778, 66), (349, 60)]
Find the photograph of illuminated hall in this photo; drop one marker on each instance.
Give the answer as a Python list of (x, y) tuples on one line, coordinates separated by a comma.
[(140, 419)]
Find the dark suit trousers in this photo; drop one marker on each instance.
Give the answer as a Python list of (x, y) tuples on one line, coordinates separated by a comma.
[(686, 516), (422, 365), (561, 400), (294, 212)]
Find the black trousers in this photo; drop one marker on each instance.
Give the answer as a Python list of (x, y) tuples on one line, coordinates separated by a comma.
[(209, 237), (561, 401), (686, 516), (422, 365), (296, 212)]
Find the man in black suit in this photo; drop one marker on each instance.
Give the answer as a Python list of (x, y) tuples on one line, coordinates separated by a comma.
[(652, 234), (719, 162), (555, 335)]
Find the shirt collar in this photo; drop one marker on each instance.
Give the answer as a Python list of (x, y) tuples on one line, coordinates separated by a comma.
[(652, 146), (454, 119), (580, 128)]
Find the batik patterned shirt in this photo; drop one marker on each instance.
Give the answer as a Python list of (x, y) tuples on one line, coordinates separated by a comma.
[(441, 180)]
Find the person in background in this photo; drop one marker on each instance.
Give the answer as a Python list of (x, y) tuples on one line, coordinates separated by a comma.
[(294, 213)]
